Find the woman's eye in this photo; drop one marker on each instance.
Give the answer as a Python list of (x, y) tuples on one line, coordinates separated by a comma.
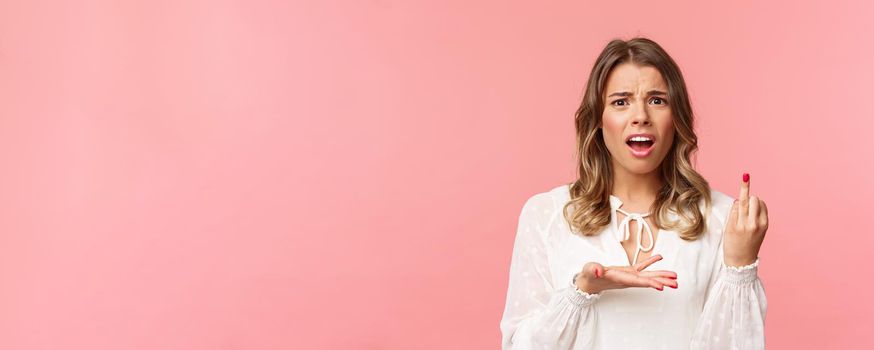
[(617, 103), (660, 101)]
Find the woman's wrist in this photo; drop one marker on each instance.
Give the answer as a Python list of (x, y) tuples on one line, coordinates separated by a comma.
[(581, 283)]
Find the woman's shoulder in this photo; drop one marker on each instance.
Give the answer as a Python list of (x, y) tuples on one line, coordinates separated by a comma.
[(545, 205), (720, 208), (720, 205)]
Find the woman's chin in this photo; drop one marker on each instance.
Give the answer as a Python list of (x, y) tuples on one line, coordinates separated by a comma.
[(641, 166)]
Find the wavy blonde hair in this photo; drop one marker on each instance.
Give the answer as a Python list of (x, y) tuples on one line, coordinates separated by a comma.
[(588, 210)]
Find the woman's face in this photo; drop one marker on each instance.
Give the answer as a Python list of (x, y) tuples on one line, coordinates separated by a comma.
[(636, 102)]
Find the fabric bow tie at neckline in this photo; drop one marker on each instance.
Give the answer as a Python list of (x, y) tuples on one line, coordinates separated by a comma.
[(625, 229)]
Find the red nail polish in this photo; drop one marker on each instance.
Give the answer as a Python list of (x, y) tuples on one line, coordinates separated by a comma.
[(746, 177)]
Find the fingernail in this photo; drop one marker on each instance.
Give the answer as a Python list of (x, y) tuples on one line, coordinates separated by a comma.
[(746, 177), (597, 273)]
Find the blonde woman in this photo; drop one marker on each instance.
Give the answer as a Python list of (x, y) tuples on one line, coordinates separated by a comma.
[(639, 252)]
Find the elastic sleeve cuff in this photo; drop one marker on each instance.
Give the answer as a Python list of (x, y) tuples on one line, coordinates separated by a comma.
[(741, 274), (578, 297)]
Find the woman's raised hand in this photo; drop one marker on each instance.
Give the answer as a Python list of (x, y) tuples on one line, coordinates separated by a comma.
[(746, 227), (595, 277)]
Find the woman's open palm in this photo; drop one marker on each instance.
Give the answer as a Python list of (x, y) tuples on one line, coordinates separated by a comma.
[(596, 277)]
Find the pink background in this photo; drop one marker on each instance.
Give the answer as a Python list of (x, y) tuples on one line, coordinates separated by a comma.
[(348, 175)]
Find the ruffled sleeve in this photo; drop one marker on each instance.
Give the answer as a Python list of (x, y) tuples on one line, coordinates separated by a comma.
[(734, 311), (541, 313)]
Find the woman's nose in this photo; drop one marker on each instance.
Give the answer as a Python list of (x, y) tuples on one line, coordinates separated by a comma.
[(641, 117)]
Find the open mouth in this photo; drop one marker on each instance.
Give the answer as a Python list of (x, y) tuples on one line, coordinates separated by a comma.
[(640, 146)]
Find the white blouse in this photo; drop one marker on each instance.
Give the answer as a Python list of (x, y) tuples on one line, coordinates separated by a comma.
[(714, 307)]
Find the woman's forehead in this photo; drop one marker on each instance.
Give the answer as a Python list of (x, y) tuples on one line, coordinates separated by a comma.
[(633, 78)]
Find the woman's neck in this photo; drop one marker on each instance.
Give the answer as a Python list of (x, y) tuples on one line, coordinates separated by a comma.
[(637, 191)]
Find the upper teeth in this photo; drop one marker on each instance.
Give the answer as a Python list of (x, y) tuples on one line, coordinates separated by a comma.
[(640, 138)]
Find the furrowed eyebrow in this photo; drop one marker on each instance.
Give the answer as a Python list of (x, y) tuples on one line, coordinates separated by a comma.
[(648, 93)]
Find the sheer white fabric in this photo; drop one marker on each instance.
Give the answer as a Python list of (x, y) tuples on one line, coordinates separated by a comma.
[(715, 306)]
